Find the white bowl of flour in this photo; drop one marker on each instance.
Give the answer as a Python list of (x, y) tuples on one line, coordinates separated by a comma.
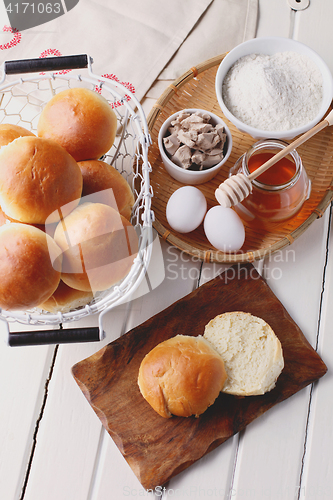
[(273, 87)]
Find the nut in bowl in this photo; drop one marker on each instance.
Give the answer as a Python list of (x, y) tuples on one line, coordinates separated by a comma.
[(273, 87), (194, 144)]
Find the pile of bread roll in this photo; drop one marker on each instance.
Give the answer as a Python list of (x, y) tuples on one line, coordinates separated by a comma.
[(64, 214), (238, 354)]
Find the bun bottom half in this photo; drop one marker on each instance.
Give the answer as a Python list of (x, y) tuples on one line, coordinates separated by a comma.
[(251, 352)]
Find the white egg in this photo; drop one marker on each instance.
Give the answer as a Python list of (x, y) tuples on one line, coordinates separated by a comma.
[(186, 209), (224, 229)]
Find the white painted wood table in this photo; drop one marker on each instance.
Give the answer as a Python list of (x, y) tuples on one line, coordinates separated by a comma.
[(52, 445)]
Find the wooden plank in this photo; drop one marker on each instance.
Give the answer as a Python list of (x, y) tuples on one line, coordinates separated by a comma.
[(278, 437), (155, 275), (317, 474), (181, 276), (296, 271), (274, 18), (113, 474), (24, 371), (68, 436), (313, 26), (210, 477)]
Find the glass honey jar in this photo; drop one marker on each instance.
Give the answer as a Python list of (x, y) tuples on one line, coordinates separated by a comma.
[(277, 194)]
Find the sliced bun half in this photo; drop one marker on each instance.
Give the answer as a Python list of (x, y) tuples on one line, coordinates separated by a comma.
[(251, 352)]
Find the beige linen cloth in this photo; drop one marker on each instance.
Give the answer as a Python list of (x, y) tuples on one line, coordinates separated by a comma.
[(138, 41)]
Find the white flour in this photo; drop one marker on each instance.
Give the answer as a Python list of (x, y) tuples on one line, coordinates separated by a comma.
[(278, 92)]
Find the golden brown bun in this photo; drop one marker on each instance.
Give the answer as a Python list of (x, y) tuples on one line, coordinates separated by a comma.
[(181, 376), (38, 177), (65, 299), (100, 177), (27, 275), (81, 121), (9, 132), (103, 245)]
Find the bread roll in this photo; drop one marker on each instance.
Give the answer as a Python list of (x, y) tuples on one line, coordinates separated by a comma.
[(81, 121), (9, 132), (112, 188), (37, 178), (65, 299), (30, 263), (181, 376), (251, 352), (99, 247)]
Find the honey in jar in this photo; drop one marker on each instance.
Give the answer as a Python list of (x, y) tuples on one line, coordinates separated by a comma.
[(277, 194)]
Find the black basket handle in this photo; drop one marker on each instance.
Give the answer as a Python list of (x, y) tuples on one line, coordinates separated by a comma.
[(46, 64), (60, 336)]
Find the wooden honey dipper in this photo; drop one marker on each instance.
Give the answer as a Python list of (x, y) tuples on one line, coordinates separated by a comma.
[(238, 186)]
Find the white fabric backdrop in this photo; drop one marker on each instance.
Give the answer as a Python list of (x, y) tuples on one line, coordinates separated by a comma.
[(138, 40)]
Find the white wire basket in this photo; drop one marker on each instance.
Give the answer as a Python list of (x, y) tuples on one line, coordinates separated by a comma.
[(22, 99)]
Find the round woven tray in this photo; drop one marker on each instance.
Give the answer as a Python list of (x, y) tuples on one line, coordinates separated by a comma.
[(196, 89)]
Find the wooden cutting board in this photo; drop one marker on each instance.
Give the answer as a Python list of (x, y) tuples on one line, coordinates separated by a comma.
[(156, 448)]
